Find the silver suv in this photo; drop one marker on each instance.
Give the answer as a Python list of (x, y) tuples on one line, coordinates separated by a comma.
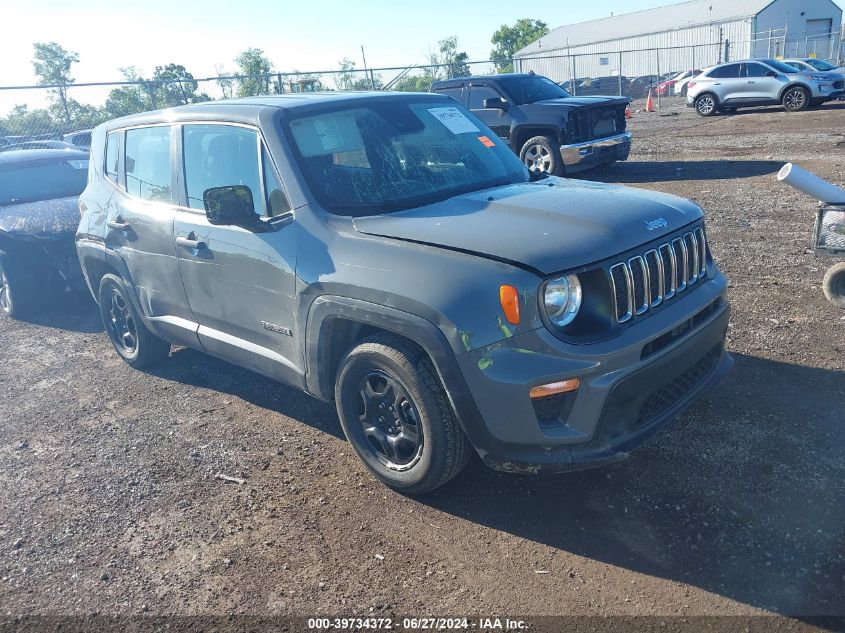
[(756, 82)]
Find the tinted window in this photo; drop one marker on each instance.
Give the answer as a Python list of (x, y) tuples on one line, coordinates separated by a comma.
[(276, 201), (455, 93), (221, 156), (729, 71), (42, 180), (112, 141), (528, 89), (398, 154), (147, 163), (797, 66), (820, 64), (755, 70), (477, 95), (778, 65)]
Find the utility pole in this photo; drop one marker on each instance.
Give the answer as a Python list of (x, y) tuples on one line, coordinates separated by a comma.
[(372, 77)]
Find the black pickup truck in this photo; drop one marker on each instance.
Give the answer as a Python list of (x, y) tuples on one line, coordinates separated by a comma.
[(551, 130)]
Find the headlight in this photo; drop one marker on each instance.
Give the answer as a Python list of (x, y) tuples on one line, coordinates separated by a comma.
[(562, 299)]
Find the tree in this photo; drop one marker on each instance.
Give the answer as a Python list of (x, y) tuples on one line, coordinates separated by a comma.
[(256, 69), (415, 83), (52, 63), (175, 86), (22, 121), (507, 40), (455, 63), (132, 98), (226, 83), (345, 79)]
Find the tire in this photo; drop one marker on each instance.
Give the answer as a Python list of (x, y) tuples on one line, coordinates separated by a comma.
[(423, 447), (706, 104), (131, 339), (540, 154), (833, 285), (795, 99), (18, 290)]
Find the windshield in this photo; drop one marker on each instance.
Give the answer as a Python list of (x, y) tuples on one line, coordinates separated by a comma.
[(820, 64), (42, 180), (779, 66), (529, 89), (393, 154)]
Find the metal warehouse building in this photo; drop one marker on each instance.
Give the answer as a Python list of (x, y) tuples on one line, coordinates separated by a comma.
[(683, 36)]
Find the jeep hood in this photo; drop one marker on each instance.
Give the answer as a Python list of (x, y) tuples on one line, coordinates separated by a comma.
[(43, 218), (547, 226)]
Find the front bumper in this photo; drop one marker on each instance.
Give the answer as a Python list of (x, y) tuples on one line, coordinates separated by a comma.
[(589, 153), (624, 398)]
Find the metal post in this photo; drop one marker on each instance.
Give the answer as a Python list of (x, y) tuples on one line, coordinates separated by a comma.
[(657, 53), (620, 73), (769, 52), (573, 75)]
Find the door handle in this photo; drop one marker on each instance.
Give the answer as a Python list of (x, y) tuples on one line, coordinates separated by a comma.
[(187, 242), (718, 83), (751, 82), (117, 224)]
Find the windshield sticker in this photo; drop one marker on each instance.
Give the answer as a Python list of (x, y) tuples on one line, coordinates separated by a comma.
[(78, 164), (327, 134), (453, 119), (486, 141)]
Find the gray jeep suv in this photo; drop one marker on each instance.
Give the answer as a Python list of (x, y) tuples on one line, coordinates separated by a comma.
[(389, 253)]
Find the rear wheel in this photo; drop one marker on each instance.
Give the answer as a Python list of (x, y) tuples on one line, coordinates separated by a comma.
[(131, 339), (706, 104), (833, 285), (795, 99), (396, 416), (540, 155)]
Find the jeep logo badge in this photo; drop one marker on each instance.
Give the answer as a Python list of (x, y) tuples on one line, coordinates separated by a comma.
[(659, 223)]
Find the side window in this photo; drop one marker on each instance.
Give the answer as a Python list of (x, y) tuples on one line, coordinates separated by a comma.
[(755, 70), (218, 155), (454, 92), (112, 141), (147, 163), (276, 201), (731, 71), (477, 95)]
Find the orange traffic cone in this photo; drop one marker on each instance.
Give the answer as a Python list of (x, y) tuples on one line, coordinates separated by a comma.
[(649, 104), (628, 111)]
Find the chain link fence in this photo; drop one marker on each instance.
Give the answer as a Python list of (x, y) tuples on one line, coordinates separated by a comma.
[(46, 114)]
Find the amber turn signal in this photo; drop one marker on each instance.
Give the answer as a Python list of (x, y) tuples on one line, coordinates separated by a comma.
[(554, 388), (510, 303)]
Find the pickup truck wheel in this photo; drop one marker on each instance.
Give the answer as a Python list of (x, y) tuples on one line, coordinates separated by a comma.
[(833, 285), (706, 104), (131, 339), (396, 416), (18, 297), (795, 99), (540, 155)]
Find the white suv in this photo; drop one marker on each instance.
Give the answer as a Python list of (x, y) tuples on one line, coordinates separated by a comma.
[(756, 82)]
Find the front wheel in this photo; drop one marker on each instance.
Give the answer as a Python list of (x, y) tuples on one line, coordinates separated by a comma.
[(795, 99), (128, 335), (540, 155), (833, 285), (396, 416), (18, 291), (706, 105)]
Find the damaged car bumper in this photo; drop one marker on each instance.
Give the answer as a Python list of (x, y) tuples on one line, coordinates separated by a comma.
[(604, 150)]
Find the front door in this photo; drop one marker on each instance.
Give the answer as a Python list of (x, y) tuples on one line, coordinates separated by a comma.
[(496, 119), (140, 218), (240, 281), (759, 86)]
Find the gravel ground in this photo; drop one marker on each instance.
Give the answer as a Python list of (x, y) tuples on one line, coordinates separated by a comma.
[(110, 502)]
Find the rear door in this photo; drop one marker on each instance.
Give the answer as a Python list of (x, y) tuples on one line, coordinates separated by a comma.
[(496, 119), (240, 281), (139, 219)]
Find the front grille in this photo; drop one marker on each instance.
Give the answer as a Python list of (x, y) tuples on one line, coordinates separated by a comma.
[(670, 394), (645, 281)]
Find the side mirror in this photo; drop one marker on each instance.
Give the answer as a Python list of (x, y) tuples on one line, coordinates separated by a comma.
[(232, 205), (771, 73), (495, 103)]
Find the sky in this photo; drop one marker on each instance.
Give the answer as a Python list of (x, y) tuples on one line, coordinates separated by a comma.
[(305, 35)]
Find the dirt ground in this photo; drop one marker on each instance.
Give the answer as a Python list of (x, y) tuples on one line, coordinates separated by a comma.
[(109, 501)]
